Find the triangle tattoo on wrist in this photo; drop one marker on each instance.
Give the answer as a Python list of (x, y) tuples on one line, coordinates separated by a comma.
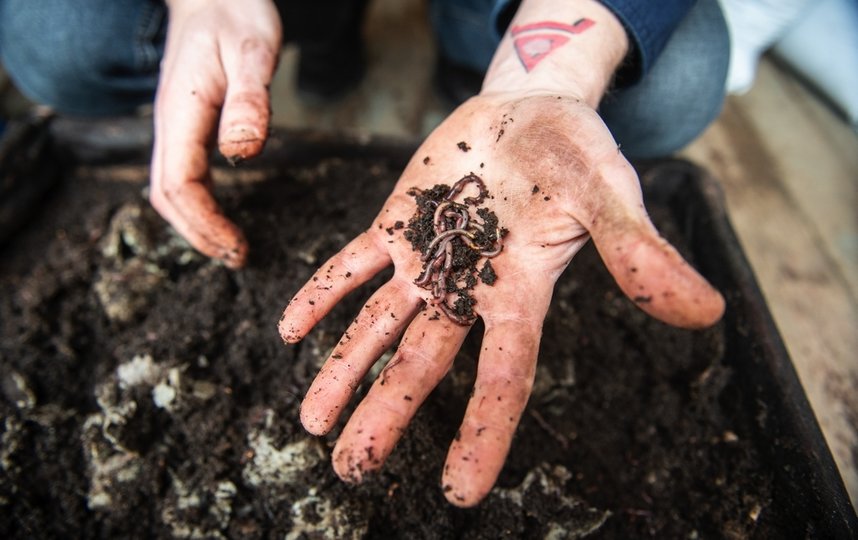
[(532, 48)]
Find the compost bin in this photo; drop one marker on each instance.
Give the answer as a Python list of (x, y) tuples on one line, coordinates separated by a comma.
[(146, 393)]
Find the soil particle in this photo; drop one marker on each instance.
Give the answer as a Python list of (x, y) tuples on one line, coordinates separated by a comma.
[(487, 274), (504, 121), (181, 418), (463, 146)]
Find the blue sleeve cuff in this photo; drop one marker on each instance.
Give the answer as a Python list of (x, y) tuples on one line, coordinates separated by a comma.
[(502, 13), (649, 27)]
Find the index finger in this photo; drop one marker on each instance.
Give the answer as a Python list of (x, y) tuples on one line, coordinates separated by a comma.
[(505, 376), (186, 110)]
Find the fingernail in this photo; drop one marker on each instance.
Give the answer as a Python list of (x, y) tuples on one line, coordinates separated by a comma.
[(242, 133), (235, 258), (241, 142)]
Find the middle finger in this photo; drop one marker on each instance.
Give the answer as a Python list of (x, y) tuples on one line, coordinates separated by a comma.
[(423, 358)]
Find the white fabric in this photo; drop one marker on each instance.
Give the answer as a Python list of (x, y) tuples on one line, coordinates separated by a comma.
[(822, 46), (754, 26)]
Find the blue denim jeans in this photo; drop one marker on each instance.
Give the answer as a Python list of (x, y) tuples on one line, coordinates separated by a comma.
[(84, 57), (101, 57), (682, 93)]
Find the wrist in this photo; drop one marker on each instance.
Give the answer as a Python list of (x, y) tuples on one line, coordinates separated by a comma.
[(572, 49)]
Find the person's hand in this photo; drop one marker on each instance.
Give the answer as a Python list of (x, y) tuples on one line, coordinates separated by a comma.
[(219, 59), (555, 178)]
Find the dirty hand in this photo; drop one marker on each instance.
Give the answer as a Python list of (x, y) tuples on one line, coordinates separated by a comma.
[(554, 178), (219, 59)]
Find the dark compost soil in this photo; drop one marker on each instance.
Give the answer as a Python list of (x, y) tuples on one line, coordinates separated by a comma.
[(146, 393)]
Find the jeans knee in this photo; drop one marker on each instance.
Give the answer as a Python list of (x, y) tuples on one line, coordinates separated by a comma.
[(661, 132), (683, 93), (52, 80), (79, 57)]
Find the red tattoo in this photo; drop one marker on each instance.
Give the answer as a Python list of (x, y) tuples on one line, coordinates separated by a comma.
[(532, 48), (579, 26)]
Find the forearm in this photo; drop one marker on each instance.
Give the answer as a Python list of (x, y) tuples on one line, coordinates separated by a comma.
[(572, 47)]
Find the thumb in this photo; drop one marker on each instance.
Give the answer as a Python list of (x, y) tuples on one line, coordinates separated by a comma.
[(648, 269), (246, 109)]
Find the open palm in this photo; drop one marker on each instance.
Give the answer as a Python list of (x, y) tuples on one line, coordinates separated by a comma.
[(555, 178)]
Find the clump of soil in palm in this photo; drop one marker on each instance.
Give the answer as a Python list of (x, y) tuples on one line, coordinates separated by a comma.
[(451, 242)]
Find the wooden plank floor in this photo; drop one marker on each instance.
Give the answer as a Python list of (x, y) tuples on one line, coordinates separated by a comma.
[(788, 165)]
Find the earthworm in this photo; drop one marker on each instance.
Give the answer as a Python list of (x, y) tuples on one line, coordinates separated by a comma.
[(444, 236), (460, 185), (452, 220), (455, 317)]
